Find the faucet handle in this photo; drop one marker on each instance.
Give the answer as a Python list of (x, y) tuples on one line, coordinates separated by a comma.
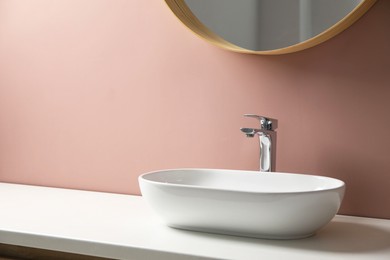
[(266, 123)]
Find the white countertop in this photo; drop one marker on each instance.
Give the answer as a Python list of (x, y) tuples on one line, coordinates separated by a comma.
[(123, 227)]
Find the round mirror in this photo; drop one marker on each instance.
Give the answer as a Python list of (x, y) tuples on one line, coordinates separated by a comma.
[(268, 26)]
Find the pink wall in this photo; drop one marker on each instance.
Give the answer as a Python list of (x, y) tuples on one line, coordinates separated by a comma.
[(95, 92)]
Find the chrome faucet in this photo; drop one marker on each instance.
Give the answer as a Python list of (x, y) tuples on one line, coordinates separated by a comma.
[(267, 139)]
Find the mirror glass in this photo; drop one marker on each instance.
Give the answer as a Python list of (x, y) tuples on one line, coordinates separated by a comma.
[(263, 25)]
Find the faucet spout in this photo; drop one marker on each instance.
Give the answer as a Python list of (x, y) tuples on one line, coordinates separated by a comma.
[(249, 132)]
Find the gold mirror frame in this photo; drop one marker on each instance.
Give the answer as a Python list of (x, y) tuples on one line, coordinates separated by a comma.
[(183, 12)]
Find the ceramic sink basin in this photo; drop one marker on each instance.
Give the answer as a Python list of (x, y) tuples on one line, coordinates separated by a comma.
[(244, 203)]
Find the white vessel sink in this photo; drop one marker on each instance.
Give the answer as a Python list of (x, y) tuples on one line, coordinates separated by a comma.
[(244, 203)]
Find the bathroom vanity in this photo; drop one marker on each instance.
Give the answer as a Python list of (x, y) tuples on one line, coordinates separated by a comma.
[(73, 224)]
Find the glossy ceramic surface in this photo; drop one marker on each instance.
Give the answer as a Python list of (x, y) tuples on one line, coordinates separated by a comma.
[(244, 203)]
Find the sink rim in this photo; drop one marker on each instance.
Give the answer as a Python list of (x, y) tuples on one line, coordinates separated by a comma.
[(335, 183)]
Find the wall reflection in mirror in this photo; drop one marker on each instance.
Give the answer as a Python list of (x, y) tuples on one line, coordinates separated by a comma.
[(262, 25)]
